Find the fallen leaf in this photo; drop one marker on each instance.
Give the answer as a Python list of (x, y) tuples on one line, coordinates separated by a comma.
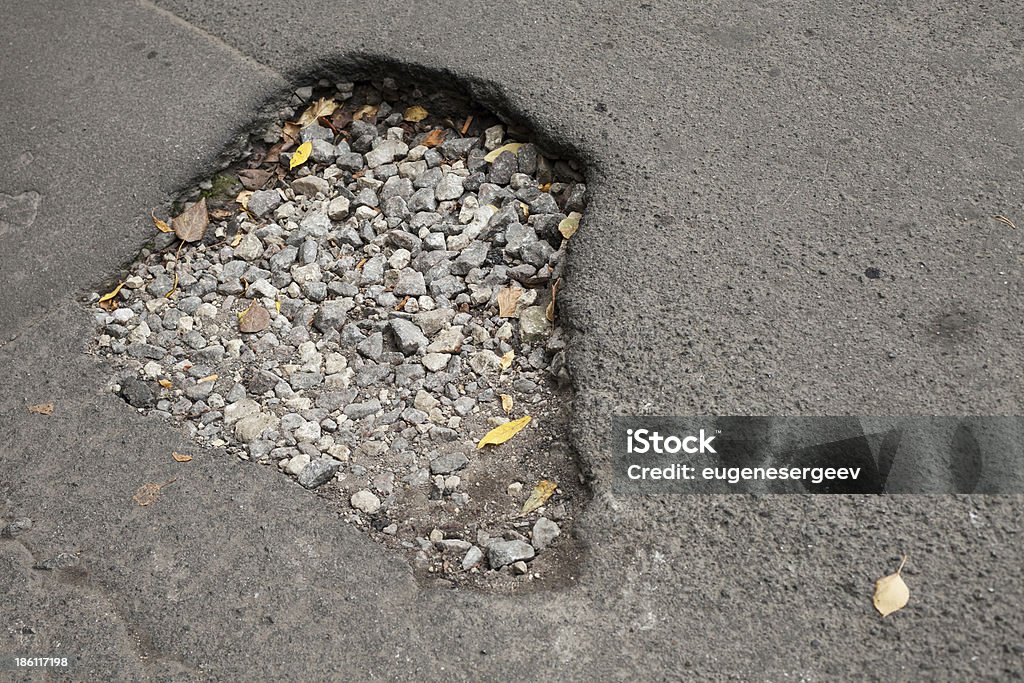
[(236, 240), (160, 225), (190, 226), (254, 178), (508, 298), (500, 435), (291, 133), (165, 383), (301, 154), (506, 360), (541, 493), (495, 153), (181, 457), (433, 138), (277, 305), (550, 312), (415, 113), (506, 403), (322, 107), (148, 493), (891, 593), (365, 111), (570, 224), (253, 319), (243, 198), (1006, 221), (106, 301), (545, 187), (174, 286), (220, 214), (41, 409), (208, 378)]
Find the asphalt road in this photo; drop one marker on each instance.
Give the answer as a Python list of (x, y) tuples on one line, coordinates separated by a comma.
[(747, 163)]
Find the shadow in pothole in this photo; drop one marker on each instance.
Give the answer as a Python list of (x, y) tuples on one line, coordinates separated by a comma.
[(366, 290)]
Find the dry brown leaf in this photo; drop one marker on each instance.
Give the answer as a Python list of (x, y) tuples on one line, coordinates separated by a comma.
[(148, 493), (291, 133), (500, 435), (160, 225), (41, 409), (190, 226), (254, 178), (209, 378), (506, 403), (506, 360), (107, 302), (541, 493), (220, 214), (550, 312), (181, 457), (365, 111), (253, 319), (570, 224), (165, 383), (508, 299), (1005, 221), (415, 114), (322, 107), (891, 592), (433, 138), (243, 198)]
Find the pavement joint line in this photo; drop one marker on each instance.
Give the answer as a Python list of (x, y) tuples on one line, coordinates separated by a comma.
[(211, 37)]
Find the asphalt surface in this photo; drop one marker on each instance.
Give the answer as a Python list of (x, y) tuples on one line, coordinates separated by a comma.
[(747, 162)]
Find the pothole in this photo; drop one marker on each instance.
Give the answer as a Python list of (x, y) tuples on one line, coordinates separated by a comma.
[(361, 320)]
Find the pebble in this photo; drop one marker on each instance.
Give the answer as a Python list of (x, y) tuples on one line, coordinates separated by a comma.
[(318, 472), (501, 553), (365, 501), (544, 531)]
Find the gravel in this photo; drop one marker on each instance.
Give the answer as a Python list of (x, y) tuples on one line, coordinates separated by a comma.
[(379, 263)]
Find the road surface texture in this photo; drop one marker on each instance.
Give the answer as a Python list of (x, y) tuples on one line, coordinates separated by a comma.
[(748, 162)]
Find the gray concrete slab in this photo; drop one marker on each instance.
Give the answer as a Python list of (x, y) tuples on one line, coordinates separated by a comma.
[(747, 163)]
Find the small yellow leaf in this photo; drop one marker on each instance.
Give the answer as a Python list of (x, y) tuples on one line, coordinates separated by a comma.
[(365, 111), (570, 224), (106, 301), (160, 225), (500, 435), (541, 493), (506, 360), (506, 403), (165, 383), (41, 409), (208, 378), (236, 240), (508, 298), (243, 198), (301, 154), (181, 457), (322, 107), (277, 305), (495, 153), (415, 114), (891, 592), (526, 209)]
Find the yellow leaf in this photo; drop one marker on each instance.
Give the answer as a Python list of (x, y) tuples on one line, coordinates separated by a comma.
[(495, 153), (243, 198), (277, 305), (237, 240), (301, 154), (570, 224), (508, 298), (160, 225), (41, 409), (526, 209), (506, 403), (322, 107), (541, 493), (180, 457), (106, 301), (506, 360), (366, 110), (891, 593), (415, 113), (208, 378), (165, 383), (500, 435)]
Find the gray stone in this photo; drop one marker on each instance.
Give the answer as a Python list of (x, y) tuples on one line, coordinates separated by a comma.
[(435, 362), (262, 201), (337, 208), (464, 405), (357, 411), (365, 501), (537, 253), (137, 392), (318, 472), (534, 324), (410, 283), (249, 428), (250, 248), (372, 347), (323, 152), (449, 187), (431, 322), (18, 526), (469, 258), (315, 131), (544, 531), (448, 463), (332, 314), (472, 558), (501, 553), (408, 336), (310, 185)]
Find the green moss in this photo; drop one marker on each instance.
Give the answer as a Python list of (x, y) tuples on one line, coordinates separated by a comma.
[(224, 187)]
